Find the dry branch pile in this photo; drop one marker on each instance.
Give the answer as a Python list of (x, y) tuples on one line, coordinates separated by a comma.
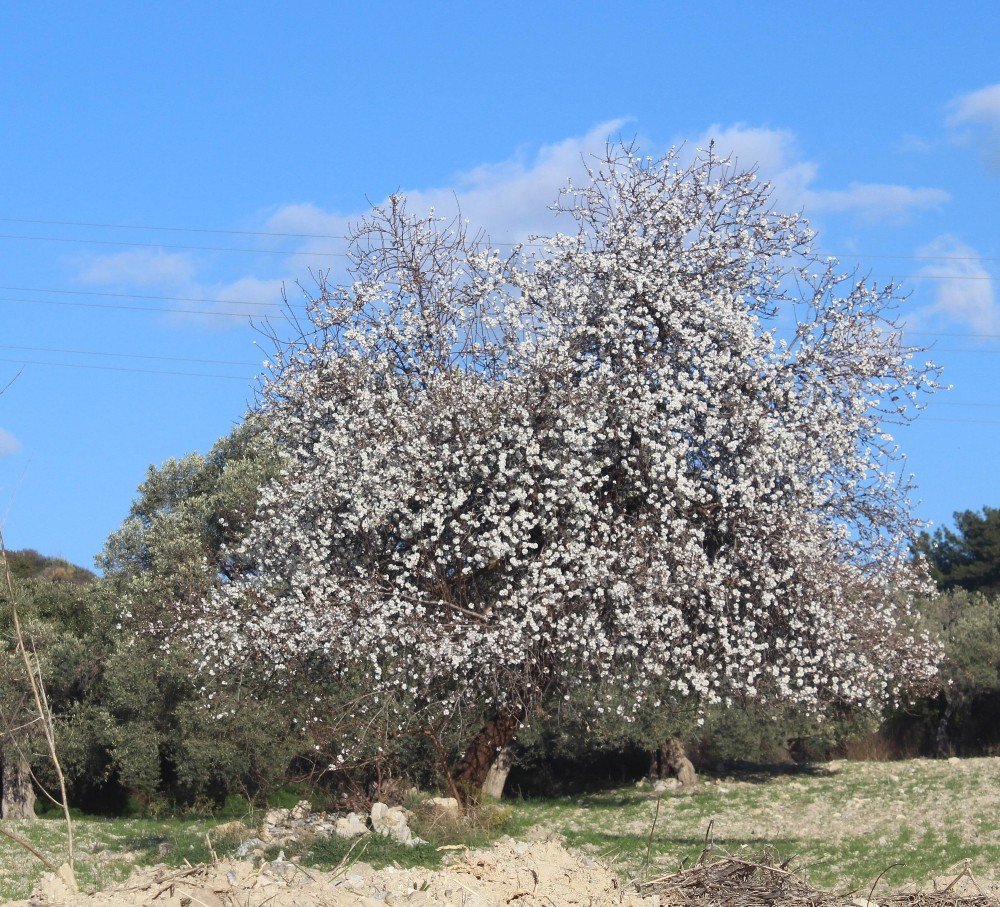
[(762, 881)]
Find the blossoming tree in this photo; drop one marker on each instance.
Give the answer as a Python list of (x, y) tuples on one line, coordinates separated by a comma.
[(651, 449)]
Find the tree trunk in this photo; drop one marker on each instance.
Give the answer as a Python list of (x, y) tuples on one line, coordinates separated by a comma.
[(943, 740), (496, 777), (670, 759), (479, 757), (18, 792)]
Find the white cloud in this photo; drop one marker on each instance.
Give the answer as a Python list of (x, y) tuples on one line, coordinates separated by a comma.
[(916, 144), (509, 199), (775, 153), (884, 201), (306, 219), (8, 444), (963, 290), (139, 268), (247, 297), (975, 121)]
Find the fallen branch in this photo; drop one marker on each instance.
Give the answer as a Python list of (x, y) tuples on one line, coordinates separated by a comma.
[(17, 839)]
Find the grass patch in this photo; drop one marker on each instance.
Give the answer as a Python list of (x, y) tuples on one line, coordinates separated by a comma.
[(845, 826)]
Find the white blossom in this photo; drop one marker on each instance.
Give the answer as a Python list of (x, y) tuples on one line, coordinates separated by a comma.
[(653, 449)]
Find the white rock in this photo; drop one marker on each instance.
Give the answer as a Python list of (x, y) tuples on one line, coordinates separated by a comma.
[(248, 847), (665, 784), (448, 805), (275, 817), (301, 810), (392, 822), (351, 826)]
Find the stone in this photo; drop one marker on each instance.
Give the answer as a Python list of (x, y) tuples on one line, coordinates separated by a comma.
[(350, 826), (67, 876), (445, 805), (229, 829), (392, 822), (276, 817), (280, 869), (665, 784), (301, 810), (247, 847)]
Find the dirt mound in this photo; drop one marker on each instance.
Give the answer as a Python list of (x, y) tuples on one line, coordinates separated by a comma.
[(510, 872), (528, 874)]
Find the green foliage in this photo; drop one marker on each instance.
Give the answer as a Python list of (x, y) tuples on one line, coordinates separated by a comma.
[(136, 737), (29, 564), (967, 557), (132, 725), (969, 626), (148, 720), (53, 606)]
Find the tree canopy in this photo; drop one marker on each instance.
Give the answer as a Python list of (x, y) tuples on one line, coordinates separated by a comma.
[(652, 449), (968, 556)]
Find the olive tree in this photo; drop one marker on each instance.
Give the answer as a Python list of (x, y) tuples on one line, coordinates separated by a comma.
[(651, 449), (144, 719)]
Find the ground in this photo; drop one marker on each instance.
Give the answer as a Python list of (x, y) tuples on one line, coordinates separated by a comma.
[(845, 822)]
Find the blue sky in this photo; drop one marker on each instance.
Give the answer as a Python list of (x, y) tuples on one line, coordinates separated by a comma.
[(881, 121)]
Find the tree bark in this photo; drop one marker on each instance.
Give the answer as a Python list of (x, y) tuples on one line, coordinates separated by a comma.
[(670, 759), (496, 777), (481, 753), (943, 738), (18, 793)]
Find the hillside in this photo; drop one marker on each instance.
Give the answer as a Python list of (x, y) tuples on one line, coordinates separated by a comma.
[(29, 564)]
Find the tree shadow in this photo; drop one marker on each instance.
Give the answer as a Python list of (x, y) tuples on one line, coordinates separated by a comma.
[(764, 772)]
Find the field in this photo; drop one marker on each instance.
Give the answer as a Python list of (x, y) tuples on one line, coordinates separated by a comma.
[(845, 822)]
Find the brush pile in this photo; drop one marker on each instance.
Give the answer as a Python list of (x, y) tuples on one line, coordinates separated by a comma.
[(760, 880)]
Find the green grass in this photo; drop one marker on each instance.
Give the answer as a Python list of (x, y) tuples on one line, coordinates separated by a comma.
[(845, 825), (106, 849), (911, 820)]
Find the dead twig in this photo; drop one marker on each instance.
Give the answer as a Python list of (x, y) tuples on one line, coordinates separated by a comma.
[(41, 701)]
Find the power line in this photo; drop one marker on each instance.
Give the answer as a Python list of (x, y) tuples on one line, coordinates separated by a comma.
[(918, 257), (133, 308), (334, 254), (942, 349), (143, 296), (951, 334), (955, 403), (78, 223), (965, 421), (248, 316), (157, 245), (119, 355), (942, 277), (281, 235), (283, 304), (174, 373), (114, 368), (51, 349)]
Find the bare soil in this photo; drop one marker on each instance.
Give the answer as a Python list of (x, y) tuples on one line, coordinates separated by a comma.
[(510, 872)]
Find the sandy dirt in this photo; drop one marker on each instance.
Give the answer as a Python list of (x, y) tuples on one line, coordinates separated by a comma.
[(510, 872)]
